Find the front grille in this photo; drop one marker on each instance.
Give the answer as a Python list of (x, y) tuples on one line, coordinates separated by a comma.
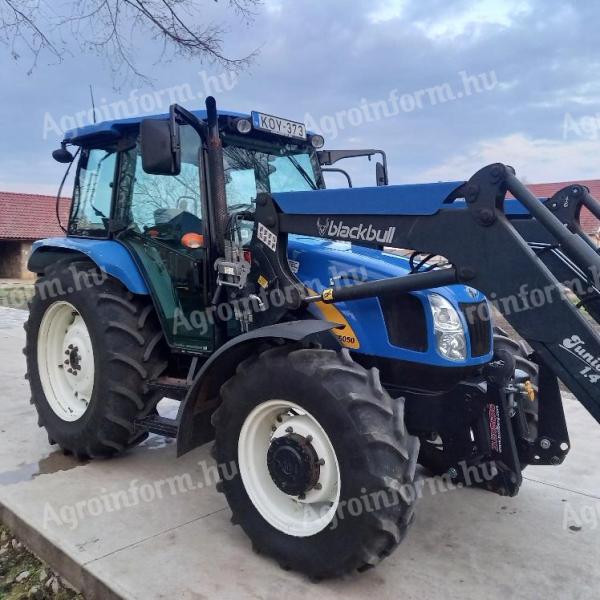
[(405, 321), (477, 315)]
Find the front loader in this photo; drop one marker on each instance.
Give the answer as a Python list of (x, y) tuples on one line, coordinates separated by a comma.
[(205, 261)]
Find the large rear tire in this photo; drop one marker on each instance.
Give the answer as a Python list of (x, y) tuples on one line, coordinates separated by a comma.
[(315, 460), (91, 347)]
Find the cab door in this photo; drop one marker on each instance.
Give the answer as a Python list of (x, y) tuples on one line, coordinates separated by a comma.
[(164, 228)]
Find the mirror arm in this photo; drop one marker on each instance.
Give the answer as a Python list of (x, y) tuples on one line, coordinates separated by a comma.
[(178, 112), (330, 157), (335, 170)]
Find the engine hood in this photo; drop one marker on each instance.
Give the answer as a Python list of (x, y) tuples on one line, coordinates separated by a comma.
[(321, 263)]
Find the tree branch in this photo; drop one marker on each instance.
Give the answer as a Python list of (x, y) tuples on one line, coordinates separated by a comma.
[(111, 28)]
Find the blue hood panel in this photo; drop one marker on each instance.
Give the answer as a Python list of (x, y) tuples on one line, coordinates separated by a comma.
[(321, 262)]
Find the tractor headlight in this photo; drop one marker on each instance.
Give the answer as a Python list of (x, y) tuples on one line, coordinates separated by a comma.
[(449, 332)]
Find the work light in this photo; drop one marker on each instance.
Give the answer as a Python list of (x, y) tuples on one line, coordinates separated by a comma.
[(243, 126)]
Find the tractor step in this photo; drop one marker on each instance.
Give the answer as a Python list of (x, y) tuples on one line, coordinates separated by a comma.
[(158, 425), (170, 387)]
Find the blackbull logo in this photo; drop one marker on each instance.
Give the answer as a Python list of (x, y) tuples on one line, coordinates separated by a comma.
[(358, 233)]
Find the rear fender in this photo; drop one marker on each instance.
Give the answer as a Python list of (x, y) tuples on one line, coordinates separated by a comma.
[(110, 256), (202, 398)]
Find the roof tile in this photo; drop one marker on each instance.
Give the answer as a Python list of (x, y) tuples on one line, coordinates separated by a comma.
[(31, 216)]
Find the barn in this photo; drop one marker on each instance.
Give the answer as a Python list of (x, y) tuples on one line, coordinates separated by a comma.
[(25, 218)]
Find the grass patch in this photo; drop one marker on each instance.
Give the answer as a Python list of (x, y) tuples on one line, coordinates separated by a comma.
[(16, 296), (24, 577)]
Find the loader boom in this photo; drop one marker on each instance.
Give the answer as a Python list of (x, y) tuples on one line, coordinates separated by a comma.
[(487, 253)]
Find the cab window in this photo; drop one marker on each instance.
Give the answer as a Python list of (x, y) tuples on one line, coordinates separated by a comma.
[(168, 204), (92, 196)]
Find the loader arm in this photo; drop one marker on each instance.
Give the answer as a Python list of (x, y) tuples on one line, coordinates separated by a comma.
[(485, 248), (566, 204)]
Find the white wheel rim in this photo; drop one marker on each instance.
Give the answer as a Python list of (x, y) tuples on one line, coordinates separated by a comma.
[(65, 361), (289, 514)]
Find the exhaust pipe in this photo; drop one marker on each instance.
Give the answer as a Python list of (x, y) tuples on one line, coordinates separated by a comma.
[(216, 175)]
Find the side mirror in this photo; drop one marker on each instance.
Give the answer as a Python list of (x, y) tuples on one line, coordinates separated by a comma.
[(161, 151), (62, 155), (381, 174)]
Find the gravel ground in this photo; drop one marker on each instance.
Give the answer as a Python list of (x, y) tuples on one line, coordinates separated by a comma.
[(25, 577)]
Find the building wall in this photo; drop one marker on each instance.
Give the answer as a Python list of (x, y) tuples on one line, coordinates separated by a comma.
[(13, 259)]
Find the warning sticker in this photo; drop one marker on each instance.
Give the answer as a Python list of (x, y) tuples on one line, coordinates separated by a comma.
[(262, 281), (267, 237), (495, 429)]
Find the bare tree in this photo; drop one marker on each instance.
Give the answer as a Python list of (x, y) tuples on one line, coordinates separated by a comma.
[(111, 28)]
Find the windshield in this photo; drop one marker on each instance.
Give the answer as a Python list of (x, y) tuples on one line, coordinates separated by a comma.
[(250, 171)]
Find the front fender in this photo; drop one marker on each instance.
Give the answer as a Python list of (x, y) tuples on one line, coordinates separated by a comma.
[(196, 409), (111, 256)]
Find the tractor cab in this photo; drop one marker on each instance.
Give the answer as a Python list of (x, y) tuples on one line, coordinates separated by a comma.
[(164, 218), (163, 211)]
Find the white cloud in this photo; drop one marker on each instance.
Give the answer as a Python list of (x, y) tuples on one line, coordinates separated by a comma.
[(484, 12), (386, 11), (535, 160)]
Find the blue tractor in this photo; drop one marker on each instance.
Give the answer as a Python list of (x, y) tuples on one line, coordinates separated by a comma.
[(326, 340)]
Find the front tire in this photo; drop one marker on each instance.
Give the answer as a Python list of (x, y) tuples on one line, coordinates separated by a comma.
[(91, 347), (315, 460)]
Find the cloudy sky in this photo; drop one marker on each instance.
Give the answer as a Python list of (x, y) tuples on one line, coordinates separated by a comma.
[(444, 87)]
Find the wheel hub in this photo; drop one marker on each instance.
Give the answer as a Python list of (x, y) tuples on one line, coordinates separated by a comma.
[(289, 467), (293, 464), (73, 358)]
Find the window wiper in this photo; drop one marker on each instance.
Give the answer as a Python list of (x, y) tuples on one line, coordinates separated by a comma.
[(302, 171)]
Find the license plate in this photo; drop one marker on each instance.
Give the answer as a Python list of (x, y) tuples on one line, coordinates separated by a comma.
[(278, 126)]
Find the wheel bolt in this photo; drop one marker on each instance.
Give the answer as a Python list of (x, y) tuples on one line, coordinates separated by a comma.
[(70, 346), (318, 486), (545, 443), (289, 430), (452, 473), (321, 462), (301, 496), (66, 362), (309, 439)]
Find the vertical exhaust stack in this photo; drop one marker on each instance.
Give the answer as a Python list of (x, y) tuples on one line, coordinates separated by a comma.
[(217, 176)]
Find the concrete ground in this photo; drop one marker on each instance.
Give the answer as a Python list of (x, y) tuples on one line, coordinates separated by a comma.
[(171, 541)]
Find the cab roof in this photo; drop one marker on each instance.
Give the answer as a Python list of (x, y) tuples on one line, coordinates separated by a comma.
[(108, 131)]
